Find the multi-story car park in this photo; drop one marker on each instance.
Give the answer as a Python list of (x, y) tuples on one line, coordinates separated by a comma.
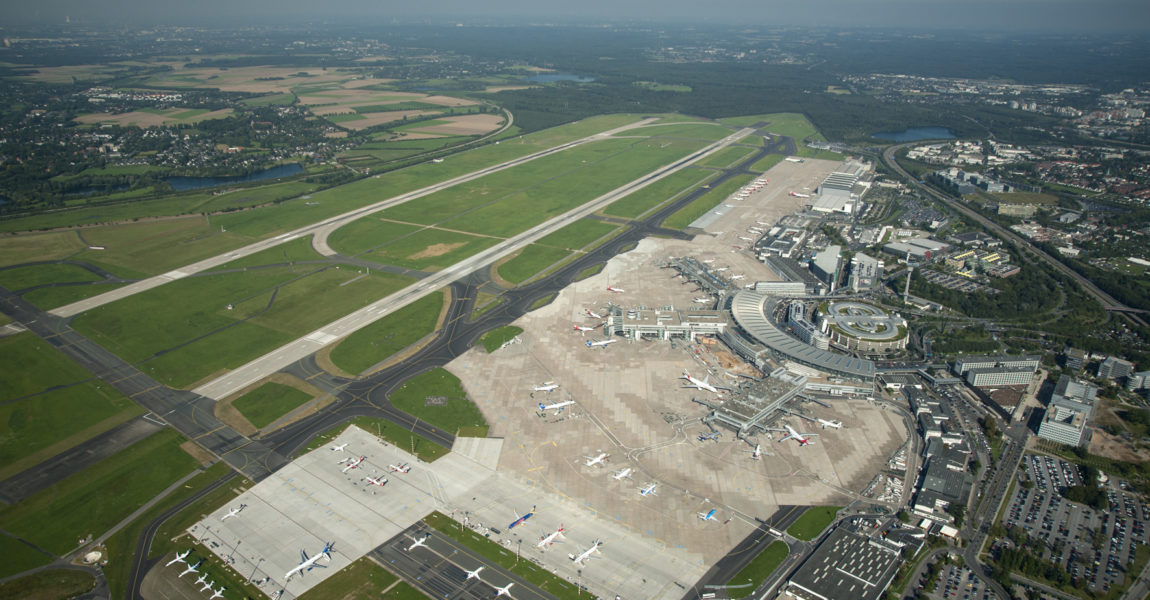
[(1098, 546)]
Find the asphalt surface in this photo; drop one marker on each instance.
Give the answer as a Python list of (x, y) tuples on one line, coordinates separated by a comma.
[(746, 551)]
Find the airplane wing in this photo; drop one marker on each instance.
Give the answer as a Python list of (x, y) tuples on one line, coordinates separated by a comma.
[(303, 556)]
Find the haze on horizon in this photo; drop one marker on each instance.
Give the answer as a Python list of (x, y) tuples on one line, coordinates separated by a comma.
[(1087, 16)]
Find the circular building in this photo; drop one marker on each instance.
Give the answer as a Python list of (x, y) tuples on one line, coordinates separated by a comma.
[(863, 328)]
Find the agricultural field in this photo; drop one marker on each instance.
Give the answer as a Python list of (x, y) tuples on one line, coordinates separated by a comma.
[(451, 413), (382, 339), (194, 327), (93, 500), (668, 188), (687, 215), (263, 405), (1025, 198), (153, 117)]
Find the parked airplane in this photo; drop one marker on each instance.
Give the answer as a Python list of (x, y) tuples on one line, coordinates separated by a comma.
[(600, 343), (473, 574), (583, 330), (557, 407), (191, 569), (746, 239), (179, 558), (802, 438), (417, 543), (502, 591), (550, 538), (521, 520), (202, 579), (737, 277), (546, 386), (709, 261), (757, 453), (586, 554), (593, 314), (800, 195), (338, 448), (307, 564), (835, 424), (401, 469), (702, 300), (708, 516), (705, 384), (649, 490), (621, 473), (233, 512), (592, 461), (206, 585), (721, 269), (615, 290), (793, 159), (712, 436), (380, 481), (353, 464), (217, 593)]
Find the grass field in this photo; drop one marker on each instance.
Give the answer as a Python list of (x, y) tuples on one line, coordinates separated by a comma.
[(531, 260), (765, 163), (699, 131), (21, 278), (362, 235), (663, 87), (403, 591), (383, 338), (431, 249), (297, 250), (589, 272), (425, 449), (494, 339), (32, 365), (577, 235), (503, 557), (668, 188), (188, 332), (793, 125), (18, 557), (1025, 198), (93, 500), (455, 411), (361, 580), (48, 585), (725, 158), (697, 208), (270, 100), (813, 522), (263, 405), (143, 249), (18, 249), (54, 297), (759, 568)]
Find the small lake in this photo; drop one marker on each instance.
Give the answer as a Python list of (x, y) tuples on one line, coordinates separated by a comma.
[(181, 184), (553, 77), (914, 134)]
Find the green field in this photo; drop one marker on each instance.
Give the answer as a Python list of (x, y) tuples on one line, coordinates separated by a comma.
[(710, 132), (503, 557), (1025, 198), (812, 523), (431, 249), (697, 208), (494, 339), (18, 249), (362, 235), (793, 125), (270, 100), (297, 250), (21, 278), (18, 557), (360, 580), (382, 339), (668, 188), (577, 235), (765, 163), (54, 297), (54, 584), (93, 500), (456, 412), (725, 158), (759, 569), (32, 365), (663, 87), (530, 261), (185, 330), (143, 249), (589, 272), (263, 405)]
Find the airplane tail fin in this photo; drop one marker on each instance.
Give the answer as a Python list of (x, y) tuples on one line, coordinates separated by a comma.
[(541, 407)]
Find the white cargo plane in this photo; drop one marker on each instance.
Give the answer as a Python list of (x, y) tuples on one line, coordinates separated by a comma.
[(546, 386), (191, 569), (557, 407), (622, 473), (353, 464), (402, 469), (586, 554), (503, 591), (417, 543), (704, 384), (593, 461), (217, 593), (583, 330), (233, 512), (804, 439), (338, 448), (550, 538), (473, 574), (833, 424), (380, 481), (615, 290), (179, 558), (649, 490), (307, 564), (600, 343)]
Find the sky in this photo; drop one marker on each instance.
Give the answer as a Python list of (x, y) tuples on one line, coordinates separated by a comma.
[(997, 15)]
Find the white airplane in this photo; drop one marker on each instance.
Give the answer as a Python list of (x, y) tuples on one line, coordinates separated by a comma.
[(179, 558), (402, 469), (708, 516), (703, 384), (761, 223), (503, 591), (583, 330), (546, 386), (709, 261), (721, 269), (202, 579), (649, 490), (417, 543), (233, 512), (557, 407), (804, 439), (621, 473), (339, 448), (307, 564), (380, 481), (600, 343), (550, 538), (757, 453), (206, 585), (593, 314), (217, 593), (702, 300), (834, 424), (746, 239), (800, 195), (473, 574), (586, 553), (615, 290), (191, 569), (710, 437), (353, 464), (793, 159), (595, 460), (738, 277)]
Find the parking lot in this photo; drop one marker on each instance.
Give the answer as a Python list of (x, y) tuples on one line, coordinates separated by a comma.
[(1096, 545), (959, 583)]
